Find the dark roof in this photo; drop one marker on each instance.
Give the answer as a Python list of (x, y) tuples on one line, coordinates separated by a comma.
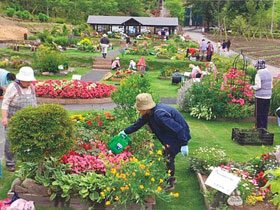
[(120, 20)]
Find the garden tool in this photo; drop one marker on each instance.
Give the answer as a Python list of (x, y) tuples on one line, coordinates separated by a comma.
[(118, 143)]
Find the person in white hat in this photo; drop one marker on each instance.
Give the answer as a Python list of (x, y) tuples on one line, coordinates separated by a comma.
[(169, 126), (104, 43), (19, 94), (116, 64)]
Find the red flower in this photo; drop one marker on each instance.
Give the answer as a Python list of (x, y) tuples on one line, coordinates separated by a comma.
[(100, 123), (89, 122)]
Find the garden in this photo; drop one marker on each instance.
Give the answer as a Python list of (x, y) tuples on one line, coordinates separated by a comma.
[(66, 153)]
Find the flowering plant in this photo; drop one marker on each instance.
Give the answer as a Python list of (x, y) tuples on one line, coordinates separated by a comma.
[(123, 73), (72, 89)]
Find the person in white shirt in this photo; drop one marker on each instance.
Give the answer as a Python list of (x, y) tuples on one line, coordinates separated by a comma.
[(132, 65)]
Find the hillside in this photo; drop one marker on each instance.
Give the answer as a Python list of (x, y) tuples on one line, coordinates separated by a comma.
[(12, 28)]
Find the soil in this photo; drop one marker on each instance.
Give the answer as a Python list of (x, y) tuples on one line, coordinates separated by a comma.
[(14, 29), (255, 47)]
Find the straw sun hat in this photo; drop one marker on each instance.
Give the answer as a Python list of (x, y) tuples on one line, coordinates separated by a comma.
[(144, 101)]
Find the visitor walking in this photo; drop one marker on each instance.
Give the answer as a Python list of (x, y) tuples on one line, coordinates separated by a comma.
[(18, 95), (104, 43), (228, 45), (127, 41), (203, 49), (210, 50), (224, 45), (263, 88), (219, 46), (5, 79), (116, 64), (169, 127)]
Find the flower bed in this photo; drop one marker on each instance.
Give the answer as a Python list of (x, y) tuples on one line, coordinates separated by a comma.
[(253, 190), (73, 89), (119, 75)]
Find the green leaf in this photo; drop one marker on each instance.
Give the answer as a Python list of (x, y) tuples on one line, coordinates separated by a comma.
[(53, 196)]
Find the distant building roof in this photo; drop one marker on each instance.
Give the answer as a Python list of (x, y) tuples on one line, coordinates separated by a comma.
[(120, 20)]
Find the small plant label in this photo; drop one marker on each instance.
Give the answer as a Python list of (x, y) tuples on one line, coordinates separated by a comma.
[(76, 77), (222, 181)]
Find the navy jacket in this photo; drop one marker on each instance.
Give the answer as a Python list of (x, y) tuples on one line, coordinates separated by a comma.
[(168, 125)]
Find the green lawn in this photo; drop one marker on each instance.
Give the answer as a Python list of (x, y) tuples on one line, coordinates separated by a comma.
[(204, 133)]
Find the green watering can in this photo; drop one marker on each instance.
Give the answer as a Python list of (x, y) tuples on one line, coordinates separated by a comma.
[(118, 143)]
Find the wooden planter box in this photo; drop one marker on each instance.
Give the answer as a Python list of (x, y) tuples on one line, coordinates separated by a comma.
[(252, 136), (76, 203)]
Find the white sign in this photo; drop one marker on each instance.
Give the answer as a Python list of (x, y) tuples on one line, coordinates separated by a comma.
[(223, 181), (76, 77)]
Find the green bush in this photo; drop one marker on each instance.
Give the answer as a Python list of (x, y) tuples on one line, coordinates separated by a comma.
[(19, 14), (10, 12), (49, 60), (237, 111), (25, 15), (125, 96), (43, 18), (275, 99), (60, 20), (39, 132), (61, 40), (33, 38)]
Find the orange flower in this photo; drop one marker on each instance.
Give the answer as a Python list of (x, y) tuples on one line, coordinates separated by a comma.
[(112, 118), (107, 114)]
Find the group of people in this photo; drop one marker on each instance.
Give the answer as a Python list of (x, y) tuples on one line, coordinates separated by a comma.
[(163, 34), (117, 66), (221, 47), (206, 50)]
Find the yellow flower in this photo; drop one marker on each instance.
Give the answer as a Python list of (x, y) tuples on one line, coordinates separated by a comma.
[(122, 188), (113, 171), (147, 174), (126, 187), (159, 152), (151, 145), (159, 189), (123, 176), (102, 194), (142, 166), (117, 175), (176, 195), (150, 164), (141, 187), (152, 179), (151, 153), (169, 171), (108, 188), (161, 181), (107, 203), (159, 159), (133, 174), (171, 193), (117, 198)]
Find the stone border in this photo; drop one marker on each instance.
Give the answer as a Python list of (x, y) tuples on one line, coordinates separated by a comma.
[(76, 203), (42, 100), (271, 119), (203, 190)]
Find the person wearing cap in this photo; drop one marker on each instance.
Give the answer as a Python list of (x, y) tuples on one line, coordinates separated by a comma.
[(263, 88), (116, 64), (19, 94), (104, 43), (169, 126), (5, 79)]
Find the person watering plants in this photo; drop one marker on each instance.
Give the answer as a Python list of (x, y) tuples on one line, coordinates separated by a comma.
[(18, 95), (168, 125), (263, 88), (5, 79)]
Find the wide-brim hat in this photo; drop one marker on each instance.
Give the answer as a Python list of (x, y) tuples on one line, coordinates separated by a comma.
[(26, 74), (117, 58), (144, 101)]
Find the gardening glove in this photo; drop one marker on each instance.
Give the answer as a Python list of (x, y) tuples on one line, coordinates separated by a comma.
[(185, 150), (121, 133)]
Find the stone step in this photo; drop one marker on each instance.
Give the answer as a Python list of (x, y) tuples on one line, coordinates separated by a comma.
[(94, 69), (104, 61), (98, 66)]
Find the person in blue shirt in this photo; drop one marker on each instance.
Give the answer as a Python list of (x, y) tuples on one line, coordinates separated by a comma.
[(169, 126), (5, 79)]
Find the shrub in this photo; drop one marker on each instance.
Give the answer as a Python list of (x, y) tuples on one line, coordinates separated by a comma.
[(33, 38), (125, 96), (275, 99), (10, 12), (19, 14), (60, 20), (25, 15), (61, 40), (39, 132), (49, 60), (43, 18)]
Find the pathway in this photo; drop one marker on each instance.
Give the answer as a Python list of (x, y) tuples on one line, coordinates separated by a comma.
[(196, 35)]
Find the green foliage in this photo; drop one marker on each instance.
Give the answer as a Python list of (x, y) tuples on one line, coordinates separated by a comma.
[(19, 14), (25, 15), (275, 185), (60, 20), (275, 99), (10, 12), (237, 111), (49, 60), (32, 38), (125, 96), (39, 132), (202, 111), (43, 18), (61, 40)]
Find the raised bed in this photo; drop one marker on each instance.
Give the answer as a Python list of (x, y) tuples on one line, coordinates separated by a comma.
[(76, 203), (42, 100)]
